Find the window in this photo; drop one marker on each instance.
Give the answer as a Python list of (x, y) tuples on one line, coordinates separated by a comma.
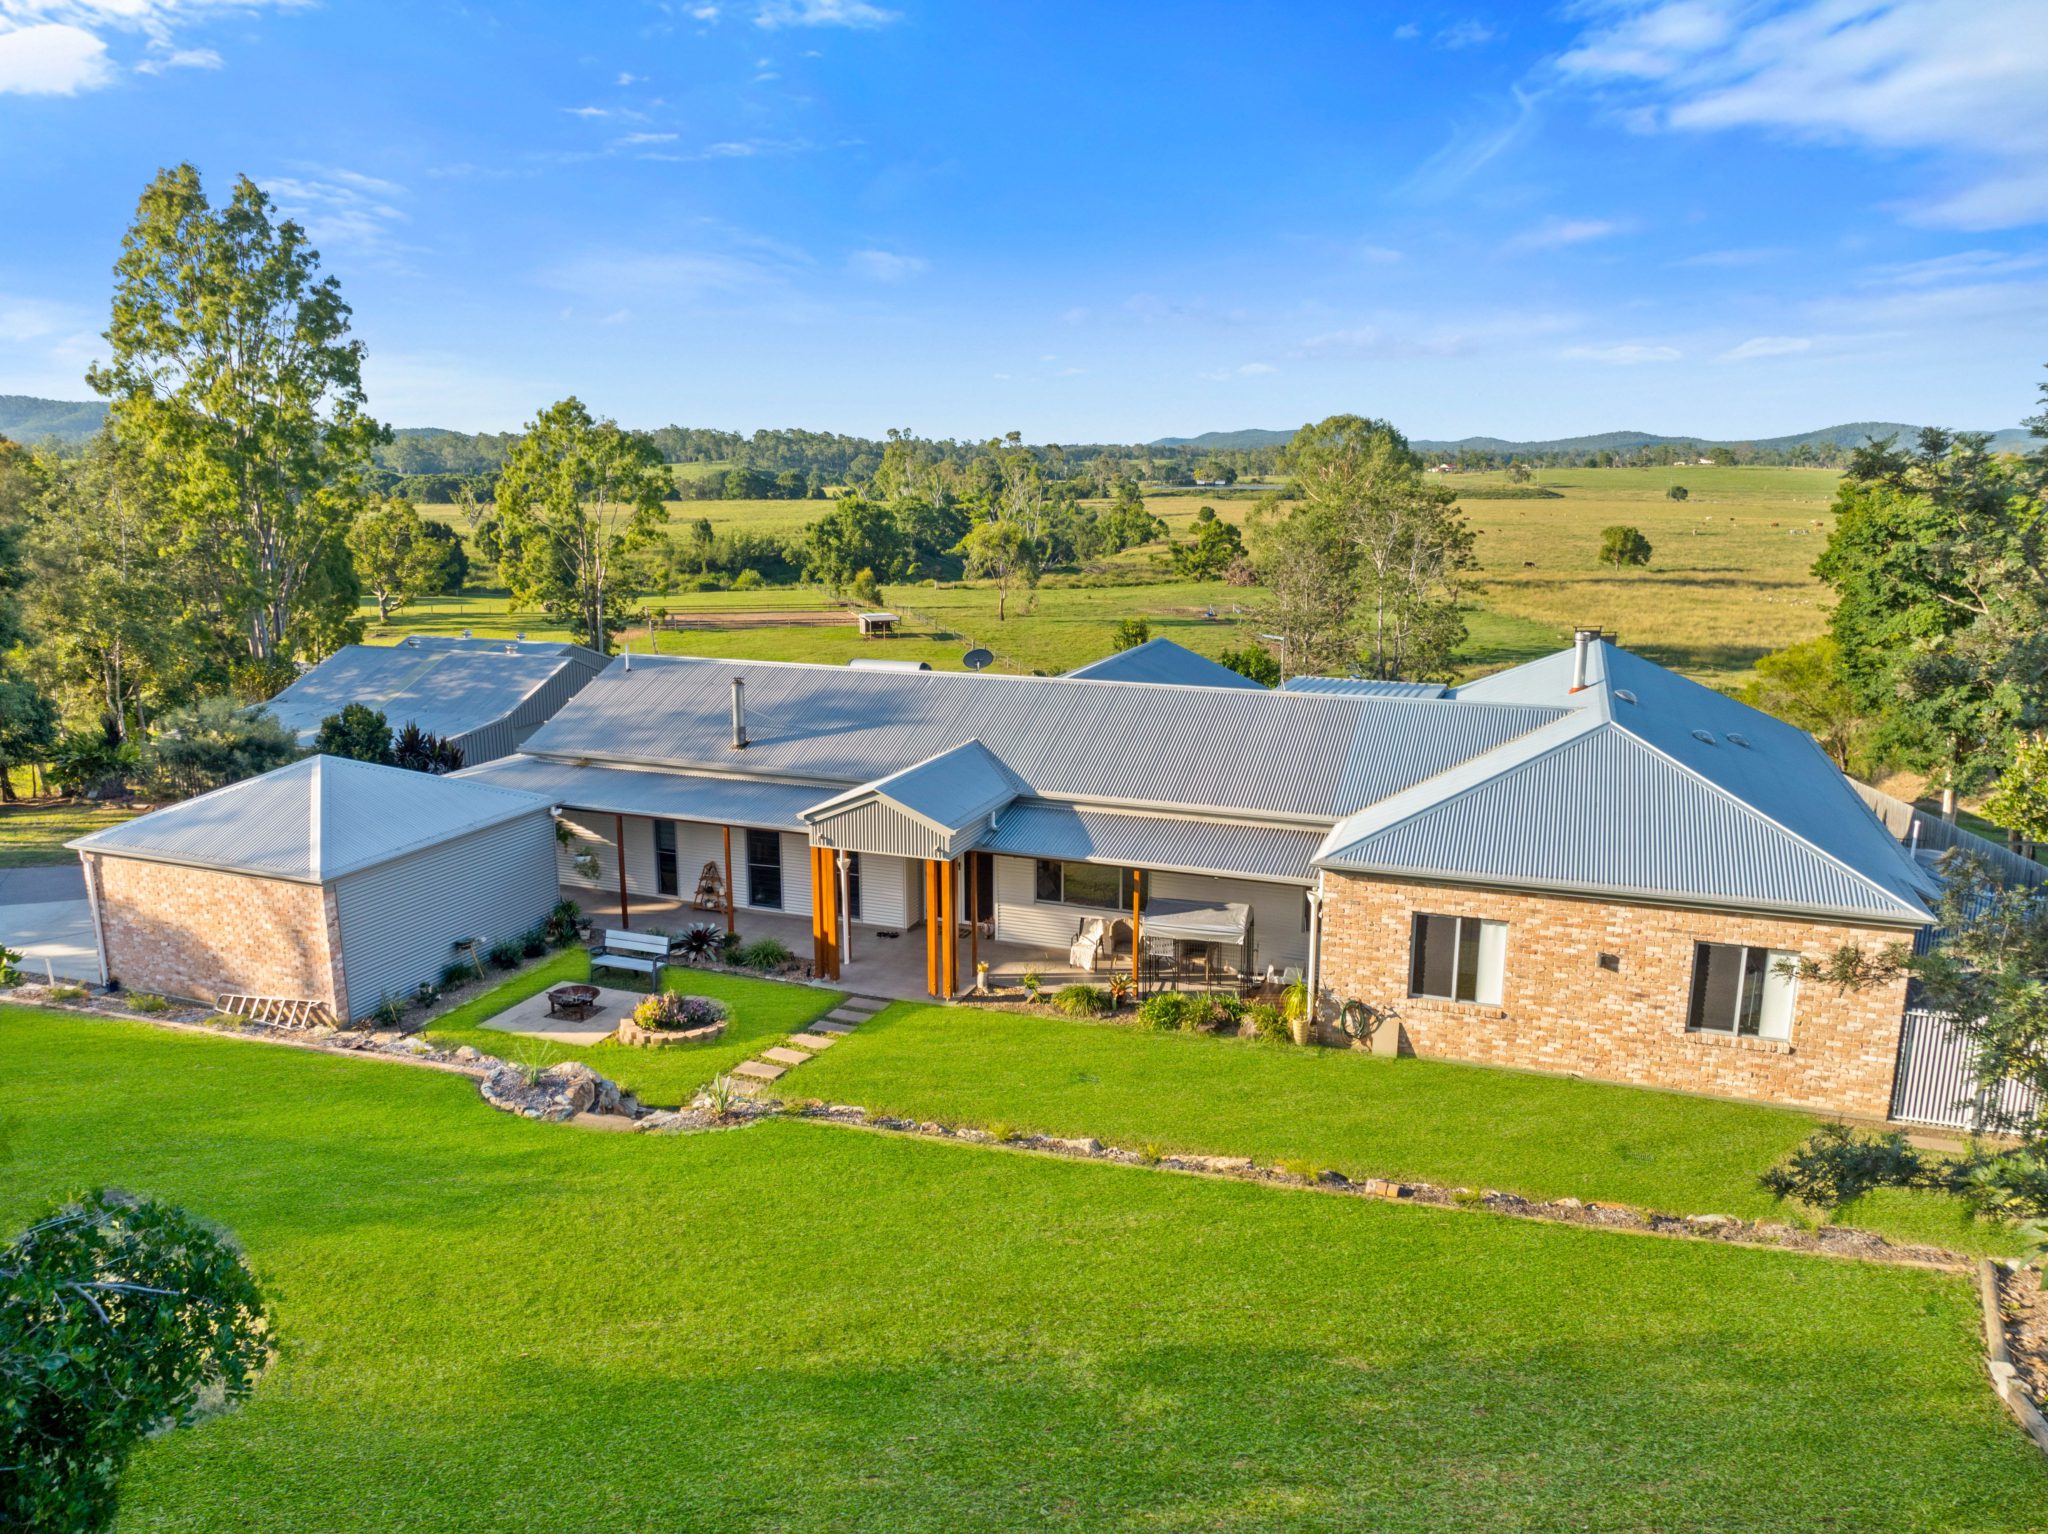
[(764, 869), (1741, 990), (665, 857), (1457, 958), (853, 886), (1088, 884)]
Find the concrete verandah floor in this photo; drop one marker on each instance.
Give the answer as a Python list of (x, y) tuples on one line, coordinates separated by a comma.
[(876, 966)]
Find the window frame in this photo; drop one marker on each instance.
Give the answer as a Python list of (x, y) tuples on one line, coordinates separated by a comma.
[(757, 867), (1468, 943), (667, 859), (1052, 872), (1752, 995)]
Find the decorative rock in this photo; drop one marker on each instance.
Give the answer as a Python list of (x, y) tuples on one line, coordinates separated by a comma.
[(1711, 1219), (1087, 1147), (466, 1052)]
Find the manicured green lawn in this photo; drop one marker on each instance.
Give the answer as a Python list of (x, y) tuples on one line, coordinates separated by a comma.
[(1540, 1136), (762, 1013), (32, 834), (489, 1324)]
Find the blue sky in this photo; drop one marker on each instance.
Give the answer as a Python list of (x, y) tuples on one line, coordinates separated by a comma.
[(1085, 222)]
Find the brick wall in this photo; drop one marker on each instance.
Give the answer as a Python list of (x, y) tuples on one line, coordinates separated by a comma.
[(1561, 1011), (196, 933)]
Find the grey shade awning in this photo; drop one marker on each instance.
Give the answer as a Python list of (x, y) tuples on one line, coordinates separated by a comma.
[(661, 795), (1199, 921)]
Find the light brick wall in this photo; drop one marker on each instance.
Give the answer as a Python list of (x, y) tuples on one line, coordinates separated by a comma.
[(195, 932), (1560, 1011)]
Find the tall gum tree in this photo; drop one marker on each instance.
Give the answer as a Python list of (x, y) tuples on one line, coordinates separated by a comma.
[(578, 501), (234, 377)]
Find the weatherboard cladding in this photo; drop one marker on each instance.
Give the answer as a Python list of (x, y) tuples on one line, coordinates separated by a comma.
[(658, 795), (364, 815), (400, 919), (1067, 834), (878, 826), (1604, 812), (1220, 748)]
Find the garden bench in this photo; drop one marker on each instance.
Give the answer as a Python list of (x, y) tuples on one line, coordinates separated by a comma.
[(641, 951)]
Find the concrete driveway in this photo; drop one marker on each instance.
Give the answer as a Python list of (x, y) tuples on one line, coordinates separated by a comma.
[(44, 914)]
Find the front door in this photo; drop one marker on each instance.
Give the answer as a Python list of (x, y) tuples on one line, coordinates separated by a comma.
[(984, 886)]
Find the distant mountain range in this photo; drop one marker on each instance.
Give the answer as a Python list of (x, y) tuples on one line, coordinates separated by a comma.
[(2011, 439), (28, 419)]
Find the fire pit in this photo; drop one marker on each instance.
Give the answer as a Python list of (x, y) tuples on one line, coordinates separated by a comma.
[(572, 1001)]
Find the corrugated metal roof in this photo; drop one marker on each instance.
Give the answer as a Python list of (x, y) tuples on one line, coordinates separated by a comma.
[(582, 655), (449, 692), (664, 795), (1151, 841), (1363, 687), (1226, 749), (1586, 806), (1775, 769), (1162, 662), (313, 821), (951, 790)]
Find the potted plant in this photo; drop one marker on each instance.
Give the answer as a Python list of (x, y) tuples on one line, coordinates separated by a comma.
[(1120, 987), (1032, 985)]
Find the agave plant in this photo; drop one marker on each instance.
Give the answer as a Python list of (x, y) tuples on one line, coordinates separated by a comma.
[(700, 942)]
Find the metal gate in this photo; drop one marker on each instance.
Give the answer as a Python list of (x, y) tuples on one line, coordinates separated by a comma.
[(1932, 1083)]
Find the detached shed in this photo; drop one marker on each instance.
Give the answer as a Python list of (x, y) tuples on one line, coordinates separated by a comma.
[(331, 881)]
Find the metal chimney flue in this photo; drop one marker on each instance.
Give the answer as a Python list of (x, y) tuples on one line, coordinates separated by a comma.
[(1582, 648), (739, 714)]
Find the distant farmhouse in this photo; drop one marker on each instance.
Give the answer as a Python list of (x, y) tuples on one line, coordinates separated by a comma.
[(485, 696), (1586, 864)]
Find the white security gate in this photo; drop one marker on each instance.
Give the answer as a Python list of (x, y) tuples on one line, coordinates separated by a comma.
[(1932, 1083)]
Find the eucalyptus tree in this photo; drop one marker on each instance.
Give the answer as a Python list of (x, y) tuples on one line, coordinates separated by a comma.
[(234, 378)]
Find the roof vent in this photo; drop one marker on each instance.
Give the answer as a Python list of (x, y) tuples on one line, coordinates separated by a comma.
[(412, 641), (466, 634), (1704, 738), (739, 714), (1625, 695), (1740, 740), (1583, 641)]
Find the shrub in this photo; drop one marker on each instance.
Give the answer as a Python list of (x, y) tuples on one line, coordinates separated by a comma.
[(10, 966), (426, 994), (67, 993), (1129, 633), (98, 1358), (560, 925), (1835, 1166), (720, 1095), (1081, 1001), (1120, 986), (698, 943), (1226, 1011), (457, 972), (389, 1013), (1623, 546), (506, 954), (671, 1012), (147, 1001), (1171, 1010), (762, 953), (1266, 1021), (1032, 984), (1002, 1132), (533, 942)]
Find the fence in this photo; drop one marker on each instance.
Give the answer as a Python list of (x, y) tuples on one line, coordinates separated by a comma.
[(1933, 1083), (1930, 833)]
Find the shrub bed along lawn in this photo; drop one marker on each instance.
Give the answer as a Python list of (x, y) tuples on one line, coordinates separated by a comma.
[(1432, 1120), (763, 1013), (488, 1323)]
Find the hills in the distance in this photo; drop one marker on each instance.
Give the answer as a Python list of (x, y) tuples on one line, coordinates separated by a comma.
[(25, 418), (2011, 439)]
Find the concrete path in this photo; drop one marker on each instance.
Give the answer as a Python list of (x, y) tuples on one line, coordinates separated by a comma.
[(53, 937), (43, 885)]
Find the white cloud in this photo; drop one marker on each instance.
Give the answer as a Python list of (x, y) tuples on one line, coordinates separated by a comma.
[(1468, 33), (1973, 265), (1475, 145), (1766, 346), (1555, 233), (1410, 336), (52, 59), (823, 13), (1627, 354), (1407, 32), (180, 58), (339, 206), (1957, 79), (885, 265), (587, 111), (1256, 369), (1379, 255), (634, 140), (670, 276), (627, 78)]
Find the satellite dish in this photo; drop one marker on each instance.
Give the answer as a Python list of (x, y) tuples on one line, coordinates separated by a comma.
[(976, 660)]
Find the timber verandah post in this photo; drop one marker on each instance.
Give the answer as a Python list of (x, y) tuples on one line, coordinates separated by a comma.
[(949, 950), (824, 914), (619, 846), (933, 915), (729, 897)]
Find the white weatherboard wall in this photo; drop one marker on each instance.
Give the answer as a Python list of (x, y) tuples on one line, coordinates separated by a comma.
[(883, 879), (399, 920), (1277, 935)]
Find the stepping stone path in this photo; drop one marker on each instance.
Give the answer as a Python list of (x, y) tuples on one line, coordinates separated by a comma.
[(751, 1076)]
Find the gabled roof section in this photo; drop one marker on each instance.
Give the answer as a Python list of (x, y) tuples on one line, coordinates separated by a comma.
[(313, 821), (1162, 662), (1363, 687), (948, 792), (1120, 744), (653, 792), (443, 689)]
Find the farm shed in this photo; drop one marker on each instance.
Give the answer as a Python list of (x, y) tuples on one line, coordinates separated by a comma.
[(328, 881), (482, 695)]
